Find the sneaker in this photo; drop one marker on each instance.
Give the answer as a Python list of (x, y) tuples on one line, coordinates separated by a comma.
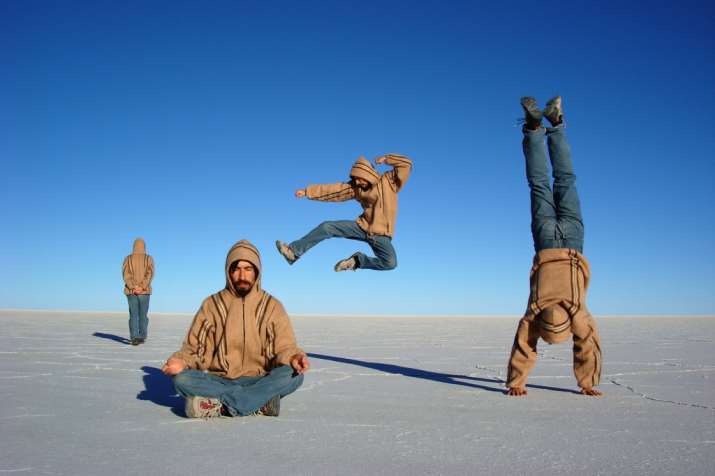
[(287, 253), (349, 264), (553, 111), (203, 407), (532, 115), (271, 408), (134, 341), (141, 340)]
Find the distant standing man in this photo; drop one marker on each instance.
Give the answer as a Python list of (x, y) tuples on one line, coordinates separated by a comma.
[(377, 194), (138, 271), (240, 356), (560, 273)]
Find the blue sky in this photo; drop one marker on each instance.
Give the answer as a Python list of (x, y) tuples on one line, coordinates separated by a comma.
[(191, 124)]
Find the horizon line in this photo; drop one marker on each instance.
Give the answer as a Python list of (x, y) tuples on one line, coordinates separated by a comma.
[(409, 315)]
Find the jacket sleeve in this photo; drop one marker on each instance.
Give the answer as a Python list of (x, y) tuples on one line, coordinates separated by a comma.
[(148, 273), (523, 354), (586, 350), (199, 345), (128, 278), (334, 192), (401, 168), (285, 345)]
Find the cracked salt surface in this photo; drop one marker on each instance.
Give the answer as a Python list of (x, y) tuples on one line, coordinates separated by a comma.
[(385, 396)]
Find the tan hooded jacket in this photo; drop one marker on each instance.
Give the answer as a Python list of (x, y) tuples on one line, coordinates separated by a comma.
[(138, 269), (559, 276), (379, 203), (233, 336)]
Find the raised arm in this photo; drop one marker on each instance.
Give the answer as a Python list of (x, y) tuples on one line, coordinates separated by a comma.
[(334, 192), (523, 357), (401, 168)]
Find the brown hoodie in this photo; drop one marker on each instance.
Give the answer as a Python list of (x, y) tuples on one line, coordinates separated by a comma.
[(233, 336), (559, 277), (379, 203), (138, 269)]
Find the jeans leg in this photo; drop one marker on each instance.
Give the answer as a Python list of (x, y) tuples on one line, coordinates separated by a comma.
[(328, 229), (195, 383), (568, 205), (385, 255), (246, 395), (543, 209), (143, 319), (133, 301)]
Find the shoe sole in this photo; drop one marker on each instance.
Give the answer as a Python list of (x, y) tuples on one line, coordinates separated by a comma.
[(193, 408), (278, 247)]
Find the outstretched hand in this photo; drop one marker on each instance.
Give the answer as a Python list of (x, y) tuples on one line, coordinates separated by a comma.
[(300, 363), (173, 366), (300, 193), (517, 392), (591, 392)]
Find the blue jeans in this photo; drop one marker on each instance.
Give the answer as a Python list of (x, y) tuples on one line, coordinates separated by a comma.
[(138, 320), (556, 220), (241, 396), (385, 256)]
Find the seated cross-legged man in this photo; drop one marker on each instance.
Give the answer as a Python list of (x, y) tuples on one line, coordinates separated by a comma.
[(240, 355), (560, 273)]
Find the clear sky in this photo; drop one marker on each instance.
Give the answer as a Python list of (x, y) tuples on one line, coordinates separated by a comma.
[(191, 124)]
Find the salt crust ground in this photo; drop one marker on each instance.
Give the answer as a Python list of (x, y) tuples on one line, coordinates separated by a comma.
[(386, 396)]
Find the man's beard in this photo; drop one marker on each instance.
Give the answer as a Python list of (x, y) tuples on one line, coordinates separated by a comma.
[(243, 291)]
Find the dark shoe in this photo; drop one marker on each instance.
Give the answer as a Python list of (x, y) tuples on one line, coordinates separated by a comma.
[(532, 115), (287, 253), (203, 407), (271, 408), (141, 340), (134, 341), (349, 264), (553, 111)]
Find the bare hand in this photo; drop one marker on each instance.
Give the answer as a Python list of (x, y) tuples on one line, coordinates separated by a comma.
[(517, 392), (137, 290), (592, 392), (300, 193), (300, 363), (381, 160), (174, 366)]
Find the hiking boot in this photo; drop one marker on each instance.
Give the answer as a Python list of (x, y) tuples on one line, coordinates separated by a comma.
[(287, 253), (532, 115), (553, 111), (349, 264), (271, 408), (203, 407)]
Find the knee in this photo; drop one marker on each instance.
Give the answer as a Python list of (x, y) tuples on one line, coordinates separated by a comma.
[(327, 226), (183, 379), (390, 262), (282, 371)]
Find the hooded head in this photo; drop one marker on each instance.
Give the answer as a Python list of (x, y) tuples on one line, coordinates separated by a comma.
[(364, 170), (139, 247), (554, 324), (243, 251)]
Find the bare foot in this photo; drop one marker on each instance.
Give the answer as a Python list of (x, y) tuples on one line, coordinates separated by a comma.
[(591, 392), (516, 392)]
